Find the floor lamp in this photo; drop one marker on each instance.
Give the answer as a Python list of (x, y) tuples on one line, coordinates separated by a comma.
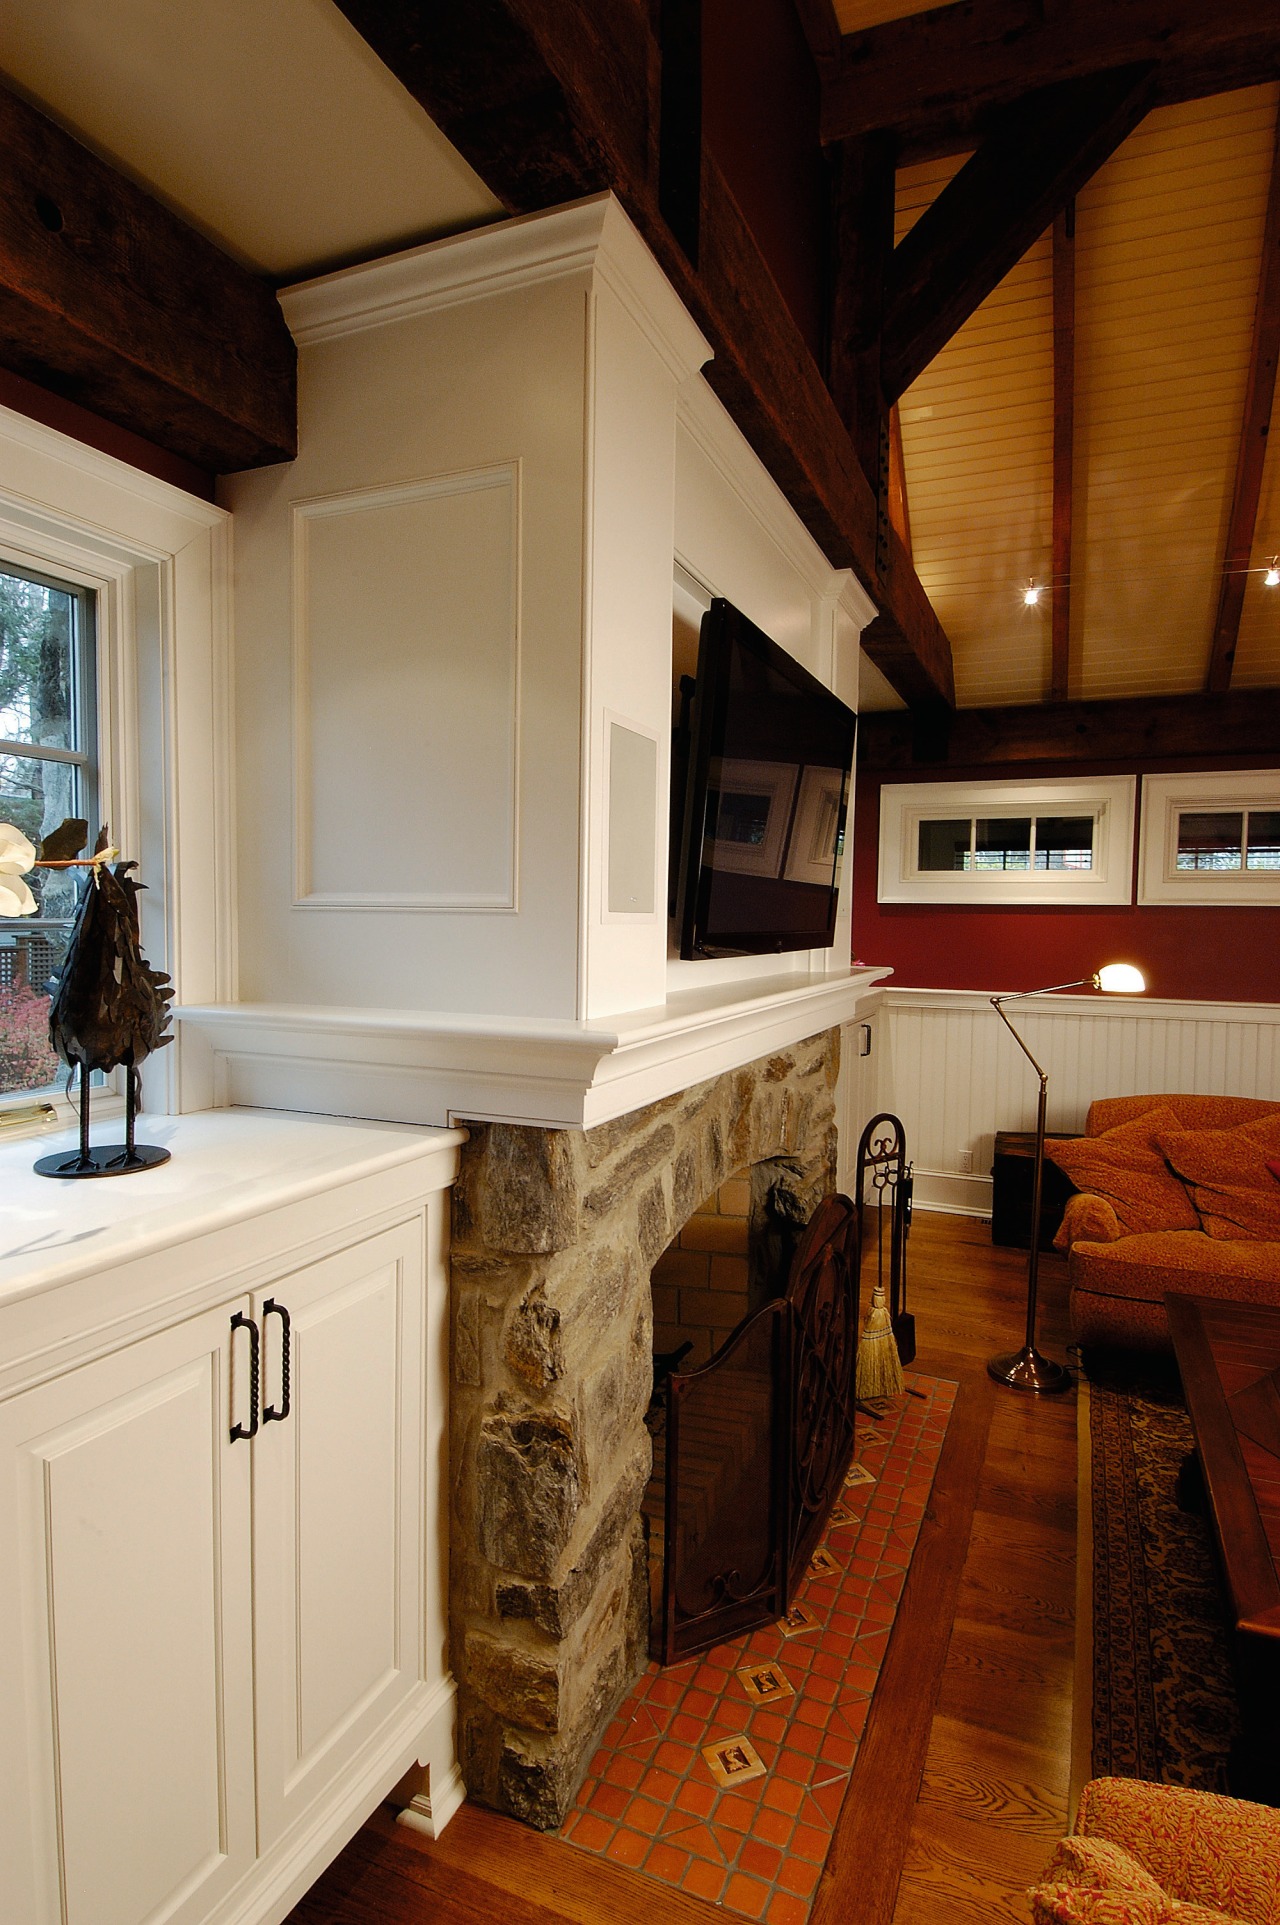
[(1026, 1369)]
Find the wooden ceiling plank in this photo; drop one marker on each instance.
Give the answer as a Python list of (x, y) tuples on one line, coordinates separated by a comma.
[(1260, 391), (542, 97), (110, 300), (932, 76), (1043, 150), (1064, 389), (1193, 728)]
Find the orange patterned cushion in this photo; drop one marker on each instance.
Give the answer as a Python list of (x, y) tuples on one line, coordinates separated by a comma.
[(1201, 1915), (1228, 1176), (1125, 1166), (1080, 1905), (1090, 1881), (1217, 1853), (1087, 1219)]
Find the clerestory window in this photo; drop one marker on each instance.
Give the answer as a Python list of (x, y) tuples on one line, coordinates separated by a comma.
[(1063, 841), (1211, 838)]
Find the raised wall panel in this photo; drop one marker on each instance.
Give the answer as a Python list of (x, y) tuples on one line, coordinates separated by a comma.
[(406, 665), (633, 821)]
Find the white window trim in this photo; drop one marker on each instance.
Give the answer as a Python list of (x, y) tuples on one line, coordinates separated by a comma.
[(158, 561), (1109, 799), (1164, 797)]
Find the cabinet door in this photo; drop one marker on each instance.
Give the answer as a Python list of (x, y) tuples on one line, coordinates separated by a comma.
[(126, 1790), (337, 1527)]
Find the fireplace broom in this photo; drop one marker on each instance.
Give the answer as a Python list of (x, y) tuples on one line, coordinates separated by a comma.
[(879, 1365)]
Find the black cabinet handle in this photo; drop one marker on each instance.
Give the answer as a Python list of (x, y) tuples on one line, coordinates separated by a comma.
[(240, 1321), (270, 1415)]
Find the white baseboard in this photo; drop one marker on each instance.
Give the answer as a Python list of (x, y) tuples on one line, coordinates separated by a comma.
[(947, 1190), (430, 1811)]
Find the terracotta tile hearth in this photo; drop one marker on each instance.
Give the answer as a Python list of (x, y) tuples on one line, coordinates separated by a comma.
[(651, 1798)]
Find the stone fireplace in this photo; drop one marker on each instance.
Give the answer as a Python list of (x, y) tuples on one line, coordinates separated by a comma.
[(555, 1236)]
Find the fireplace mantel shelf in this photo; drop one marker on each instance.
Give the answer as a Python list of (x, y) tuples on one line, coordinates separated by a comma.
[(420, 1066)]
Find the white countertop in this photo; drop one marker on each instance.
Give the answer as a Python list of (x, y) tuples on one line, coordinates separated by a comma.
[(225, 1165)]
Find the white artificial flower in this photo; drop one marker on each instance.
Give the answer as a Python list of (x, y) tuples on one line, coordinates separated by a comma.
[(16, 853), (16, 857), (16, 899)]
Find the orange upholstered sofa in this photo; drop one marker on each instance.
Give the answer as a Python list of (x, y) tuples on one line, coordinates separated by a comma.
[(1156, 1854), (1119, 1279)]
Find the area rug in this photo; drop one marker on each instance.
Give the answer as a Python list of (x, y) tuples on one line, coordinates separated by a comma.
[(723, 1776), (1155, 1696)]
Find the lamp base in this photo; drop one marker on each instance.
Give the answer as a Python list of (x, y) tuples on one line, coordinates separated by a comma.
[(1026, 1369)]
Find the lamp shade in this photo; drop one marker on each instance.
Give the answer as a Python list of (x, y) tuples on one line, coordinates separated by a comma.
[(1120, 979)]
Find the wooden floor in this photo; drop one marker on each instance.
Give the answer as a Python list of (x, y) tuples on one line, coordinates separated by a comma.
[(960, 1787)]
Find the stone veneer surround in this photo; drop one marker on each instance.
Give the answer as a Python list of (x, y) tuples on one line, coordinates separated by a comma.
[(555, 1234)]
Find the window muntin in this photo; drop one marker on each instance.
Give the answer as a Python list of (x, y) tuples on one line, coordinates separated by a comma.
[(1069, 840), (47, 772)]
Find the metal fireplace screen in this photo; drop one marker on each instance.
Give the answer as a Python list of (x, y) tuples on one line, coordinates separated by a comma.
[(757, 1443)]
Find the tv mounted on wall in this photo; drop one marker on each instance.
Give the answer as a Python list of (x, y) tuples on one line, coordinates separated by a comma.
[(770, 753)]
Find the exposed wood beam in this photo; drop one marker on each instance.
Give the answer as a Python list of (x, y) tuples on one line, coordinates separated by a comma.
[(1042, 150), (1259, 400), (680, 120), (1064, 415), (899, 506), (110, 300), (551, 99), (932, 76), (821, 30), (862, 203), (1186, 727)]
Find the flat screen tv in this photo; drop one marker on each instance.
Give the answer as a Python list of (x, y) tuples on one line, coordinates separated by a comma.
[(770, 753)]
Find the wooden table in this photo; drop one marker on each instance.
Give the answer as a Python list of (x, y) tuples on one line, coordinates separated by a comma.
[(1222, 1349)]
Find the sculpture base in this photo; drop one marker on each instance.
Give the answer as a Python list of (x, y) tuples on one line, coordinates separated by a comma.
[(1026, 1369), (110, 1159)]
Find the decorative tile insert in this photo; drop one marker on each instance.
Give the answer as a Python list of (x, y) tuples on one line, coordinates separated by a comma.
[(734, 1761), (714, 1786), (766, 1683)]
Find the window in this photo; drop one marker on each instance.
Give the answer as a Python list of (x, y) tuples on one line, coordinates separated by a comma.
[(1069, 841), (146, 569), (1211, 838), (47, 743)]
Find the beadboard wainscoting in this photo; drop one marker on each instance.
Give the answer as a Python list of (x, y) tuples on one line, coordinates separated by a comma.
[(942, 1061)]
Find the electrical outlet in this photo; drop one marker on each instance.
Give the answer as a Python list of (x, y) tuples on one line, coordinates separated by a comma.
[(964, 1162)]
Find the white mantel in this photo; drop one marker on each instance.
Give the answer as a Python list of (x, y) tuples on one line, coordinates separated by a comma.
[(414, 1066)]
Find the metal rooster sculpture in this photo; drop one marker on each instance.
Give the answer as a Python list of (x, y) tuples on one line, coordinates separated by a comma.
[(109, 1007)]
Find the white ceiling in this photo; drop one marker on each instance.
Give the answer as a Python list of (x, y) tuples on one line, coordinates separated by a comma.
[(269, 124)]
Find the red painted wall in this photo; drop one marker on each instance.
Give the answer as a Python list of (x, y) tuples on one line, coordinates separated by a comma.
[(760, 103), (1222, 955), (40, 404)]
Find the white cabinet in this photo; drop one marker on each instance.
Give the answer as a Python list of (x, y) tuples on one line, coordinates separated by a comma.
[(337, 1509), (126, 1656), (222, 1564)]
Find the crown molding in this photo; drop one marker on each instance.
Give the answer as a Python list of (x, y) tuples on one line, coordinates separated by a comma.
[(591, 236)]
